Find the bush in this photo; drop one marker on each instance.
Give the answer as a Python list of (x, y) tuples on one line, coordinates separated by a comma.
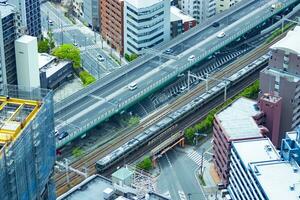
[(77, 152), (131, 57), (86, 78), (43, 46), (278, 32), (70, 52), (145, 164), (134, 120)]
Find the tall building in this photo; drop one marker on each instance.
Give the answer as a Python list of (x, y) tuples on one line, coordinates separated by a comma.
[(258, 172), (198, 9), (91, 13), (27, 61), (222, 5), (30, 11), (8, 34), (27, 144), (229, 127), (147, 23), (282, 78), (111, 20)]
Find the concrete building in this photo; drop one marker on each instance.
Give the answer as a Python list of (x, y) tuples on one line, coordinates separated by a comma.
[(111, 23), (282, 78), (198, 9), (97, 187), (222, 5), (147, 23), (180, 22), (229, 127), (27, 61), (8, 34), (30, 11), (91, 13), (77, 8), (290, 146), (27, 143), (258, 172), (52, 71)]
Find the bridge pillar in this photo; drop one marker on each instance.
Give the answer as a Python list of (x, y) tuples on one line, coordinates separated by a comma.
[(154, 163)]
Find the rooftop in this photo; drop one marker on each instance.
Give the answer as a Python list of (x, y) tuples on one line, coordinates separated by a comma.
[(50, 64), (290, 42), (279, 180), (6, 9), (271, 98), (277, 72), (177, 14), (143, 3), (255, 150), (26, 39), (15, 114), (122, 174), (237, 119)]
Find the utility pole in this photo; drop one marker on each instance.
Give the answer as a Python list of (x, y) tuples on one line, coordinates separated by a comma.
[(201, 164), (199, 78), (62, 33)]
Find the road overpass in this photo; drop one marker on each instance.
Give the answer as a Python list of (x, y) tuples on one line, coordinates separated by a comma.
[(90, 106)]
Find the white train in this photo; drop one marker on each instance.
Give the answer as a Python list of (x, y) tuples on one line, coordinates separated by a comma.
[(151, 132)]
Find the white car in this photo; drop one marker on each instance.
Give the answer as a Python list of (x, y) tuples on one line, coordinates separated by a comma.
[(221, 34), (100, 58), (75, 44), (191, 58)]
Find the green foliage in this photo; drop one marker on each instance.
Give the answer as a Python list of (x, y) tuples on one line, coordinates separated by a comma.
[(131, 57), (145, 164), (86, 78), (43, 46), (278, 32), (134, 120), (51, 40), (201, 179), (206, 124), (70, 52), (77, 152)]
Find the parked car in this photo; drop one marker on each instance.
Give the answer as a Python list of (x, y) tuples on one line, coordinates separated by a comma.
[(221, 34), (50, 22), (100, 58), (191, 58), (168, 51)]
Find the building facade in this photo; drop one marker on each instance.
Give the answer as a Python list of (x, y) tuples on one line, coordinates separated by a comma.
[(147, 23), (27, 144), (222, 5), (198, 9), (8, 34), (180, 22), (111, 23), (282, 78), (91, 13), (30, 11)]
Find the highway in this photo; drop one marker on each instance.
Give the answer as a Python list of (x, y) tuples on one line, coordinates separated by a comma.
[(86, 108)]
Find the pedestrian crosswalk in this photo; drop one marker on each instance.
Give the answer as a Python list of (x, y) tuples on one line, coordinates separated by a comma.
[(181, 195), (196, 157), (90, 47)]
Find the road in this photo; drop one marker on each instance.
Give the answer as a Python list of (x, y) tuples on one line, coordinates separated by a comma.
[(64, 31), (81, 112)]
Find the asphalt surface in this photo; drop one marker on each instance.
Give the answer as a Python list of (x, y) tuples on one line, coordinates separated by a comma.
[(91, 106)]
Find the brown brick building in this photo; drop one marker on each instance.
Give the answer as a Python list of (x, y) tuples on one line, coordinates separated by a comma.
[(111, 20)]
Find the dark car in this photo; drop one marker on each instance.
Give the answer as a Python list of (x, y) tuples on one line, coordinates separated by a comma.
[(216, 24), (168, 51), (62, 135)]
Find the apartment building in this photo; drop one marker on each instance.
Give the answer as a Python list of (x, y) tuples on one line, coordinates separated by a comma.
[(198, 9), (147, 23), (111, 22), (222, 5), (282, 78)]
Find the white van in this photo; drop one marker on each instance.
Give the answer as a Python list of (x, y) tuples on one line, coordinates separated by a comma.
[(132, 86)]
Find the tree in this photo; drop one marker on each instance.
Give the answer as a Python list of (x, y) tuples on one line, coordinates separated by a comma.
[(70, 52), (43, 46), (134, 120), (77, 152), (86, 77), (189, 134), (145, 164)]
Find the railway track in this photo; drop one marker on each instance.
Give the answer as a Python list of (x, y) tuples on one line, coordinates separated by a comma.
[(90, 159)]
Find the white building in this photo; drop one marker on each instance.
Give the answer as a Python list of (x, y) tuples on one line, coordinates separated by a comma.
[(27, 61), (258, 172), (198, 9), (146, 24), (225, 4)]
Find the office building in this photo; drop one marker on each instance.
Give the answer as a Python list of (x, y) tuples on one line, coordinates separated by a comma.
[(30, 11), (27, 143), (228, 128), (52, 71), (282, 78), (27, 61), (91, 13), (222, 5), (111, 20), (8, 34), (180, 22), (147, 23), (258, 172), (199, 9)]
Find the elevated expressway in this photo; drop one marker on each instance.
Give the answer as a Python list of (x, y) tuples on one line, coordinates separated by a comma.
[(96, 103)]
